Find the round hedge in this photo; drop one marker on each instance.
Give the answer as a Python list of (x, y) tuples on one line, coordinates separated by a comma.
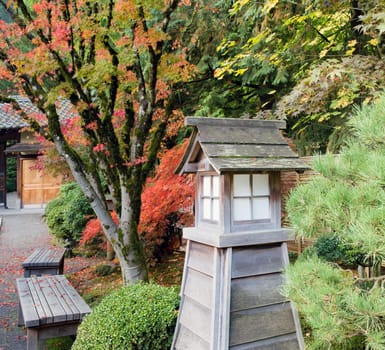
[(138, 317)]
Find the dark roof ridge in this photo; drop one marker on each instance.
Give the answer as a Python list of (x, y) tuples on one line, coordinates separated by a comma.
[(235, 122)]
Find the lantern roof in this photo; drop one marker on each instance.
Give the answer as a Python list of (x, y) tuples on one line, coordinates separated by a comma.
[(238, 145)]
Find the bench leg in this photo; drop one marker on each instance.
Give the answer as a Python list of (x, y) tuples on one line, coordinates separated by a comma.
[(61, 268), (20, 318), (33, 341)]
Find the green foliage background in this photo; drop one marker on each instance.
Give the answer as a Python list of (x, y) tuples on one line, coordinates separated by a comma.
[(347, 201), (11, 174), (309, 62)]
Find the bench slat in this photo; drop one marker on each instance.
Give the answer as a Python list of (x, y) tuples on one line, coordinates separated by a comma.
[(74, 298), (40, 301), (57, 312), (31, 258), (50, 300), (26, 303), (60, 294), (44, 257)]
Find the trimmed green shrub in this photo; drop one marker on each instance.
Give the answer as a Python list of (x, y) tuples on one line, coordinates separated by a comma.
[(138, 317), (68, 214)]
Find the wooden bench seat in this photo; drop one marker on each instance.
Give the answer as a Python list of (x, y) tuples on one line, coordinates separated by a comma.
[(49, 307), (44, 261)]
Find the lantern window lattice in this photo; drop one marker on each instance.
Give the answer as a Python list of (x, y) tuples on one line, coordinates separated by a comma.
[(251, 197)]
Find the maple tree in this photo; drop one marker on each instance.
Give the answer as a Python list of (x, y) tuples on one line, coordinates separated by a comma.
[(120, 64), (167, 202)]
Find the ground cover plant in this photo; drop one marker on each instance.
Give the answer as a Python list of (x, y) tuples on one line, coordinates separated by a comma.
[(342, 309)]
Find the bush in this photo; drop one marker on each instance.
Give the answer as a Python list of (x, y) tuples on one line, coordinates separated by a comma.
[(68, 214), (138, 317), (104, 270), (167, 202), (333, 249)]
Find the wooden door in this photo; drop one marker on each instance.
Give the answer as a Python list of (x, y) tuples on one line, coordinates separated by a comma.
[(37, 187)]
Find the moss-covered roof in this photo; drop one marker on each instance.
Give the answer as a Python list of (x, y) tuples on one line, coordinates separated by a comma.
[(239, 145)]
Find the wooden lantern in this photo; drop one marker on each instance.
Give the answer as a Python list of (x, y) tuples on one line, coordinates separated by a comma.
[(236, 252)]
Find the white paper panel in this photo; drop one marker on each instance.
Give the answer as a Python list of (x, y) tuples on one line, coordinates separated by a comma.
[(206, 183), (242, 185), (215, 213), (215, 186), (206, 211), (242, 209), (261, 208), (261, 185)]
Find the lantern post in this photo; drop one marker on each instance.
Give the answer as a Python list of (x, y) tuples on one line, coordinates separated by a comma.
[(236, 252)]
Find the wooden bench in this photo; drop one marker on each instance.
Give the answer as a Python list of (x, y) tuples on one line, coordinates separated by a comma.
[(49, 307), (44, 261)]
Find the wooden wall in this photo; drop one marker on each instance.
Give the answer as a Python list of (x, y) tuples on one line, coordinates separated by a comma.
[(231, 300), (195, 319), (261, 318)]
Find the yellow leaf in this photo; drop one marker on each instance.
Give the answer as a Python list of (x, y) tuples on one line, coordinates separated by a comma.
[(323, 53), (269, 4), (240, 71), (350, 51), (352, 43), (373, 42)]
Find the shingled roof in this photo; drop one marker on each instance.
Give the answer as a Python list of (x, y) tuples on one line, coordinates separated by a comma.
[(10, 119), (239, 145)]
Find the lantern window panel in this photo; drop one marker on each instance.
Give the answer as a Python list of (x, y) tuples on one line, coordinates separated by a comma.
[(251, 197), (210, 197), (242, 209), (242, 186)]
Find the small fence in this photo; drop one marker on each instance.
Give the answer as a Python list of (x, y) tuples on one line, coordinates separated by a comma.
[(298, 245)]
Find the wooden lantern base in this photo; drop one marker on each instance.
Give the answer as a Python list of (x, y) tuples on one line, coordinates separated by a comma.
[(231, 299)]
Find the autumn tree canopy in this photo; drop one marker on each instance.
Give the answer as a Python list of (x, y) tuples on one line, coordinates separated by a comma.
[(120, 64)]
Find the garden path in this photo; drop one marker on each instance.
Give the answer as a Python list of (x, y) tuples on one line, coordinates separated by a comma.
[(21, 232)]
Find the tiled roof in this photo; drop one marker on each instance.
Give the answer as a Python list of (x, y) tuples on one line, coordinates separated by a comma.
[(10, 119)]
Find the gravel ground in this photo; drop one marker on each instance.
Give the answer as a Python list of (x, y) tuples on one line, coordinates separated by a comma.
[(20, 234)]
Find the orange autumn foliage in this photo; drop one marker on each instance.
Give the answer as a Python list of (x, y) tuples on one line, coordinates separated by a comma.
[(93, 231), (167, 199)]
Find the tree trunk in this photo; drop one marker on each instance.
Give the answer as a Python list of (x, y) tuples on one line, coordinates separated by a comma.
[(123, 237), (110, 251)]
